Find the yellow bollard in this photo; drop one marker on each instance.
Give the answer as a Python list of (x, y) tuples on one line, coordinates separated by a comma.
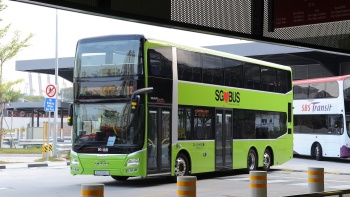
[(315, 179), (44, 150), (258, 183), (92, 190), (186, 186)]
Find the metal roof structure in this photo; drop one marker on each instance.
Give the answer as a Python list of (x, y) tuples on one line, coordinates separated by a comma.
[(316, 24), (320, 63)]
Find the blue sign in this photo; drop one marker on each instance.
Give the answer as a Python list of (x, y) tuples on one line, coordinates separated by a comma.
[(50, 104)]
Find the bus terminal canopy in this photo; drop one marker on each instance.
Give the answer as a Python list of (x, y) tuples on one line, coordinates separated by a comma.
[(317, 24)]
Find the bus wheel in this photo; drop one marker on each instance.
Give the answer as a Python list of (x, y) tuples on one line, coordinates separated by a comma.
[(120, 178), (267, 160), (181, 165), (252, 161), (318, 152)]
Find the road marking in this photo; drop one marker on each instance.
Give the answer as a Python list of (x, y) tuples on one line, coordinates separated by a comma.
[(340, 187), (300, 184), (277, 181)]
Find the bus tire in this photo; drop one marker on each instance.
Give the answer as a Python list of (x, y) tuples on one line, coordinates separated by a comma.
[(267, 160), (120, 178), (182, 167), (252, 160), (318, 152)]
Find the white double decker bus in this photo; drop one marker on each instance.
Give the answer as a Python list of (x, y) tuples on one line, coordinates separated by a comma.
[(322, 117)]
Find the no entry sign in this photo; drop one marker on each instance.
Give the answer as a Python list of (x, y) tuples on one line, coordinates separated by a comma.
[(51, 90)]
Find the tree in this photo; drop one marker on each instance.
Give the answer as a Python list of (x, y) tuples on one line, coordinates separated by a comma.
[(10, 46)]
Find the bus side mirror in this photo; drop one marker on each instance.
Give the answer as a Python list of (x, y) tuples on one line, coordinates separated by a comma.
[(70, 115), (135, 98)]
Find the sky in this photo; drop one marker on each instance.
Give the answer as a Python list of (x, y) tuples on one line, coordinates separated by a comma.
[(41, 21)]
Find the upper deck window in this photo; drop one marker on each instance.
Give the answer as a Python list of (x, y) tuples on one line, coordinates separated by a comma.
[(109, 57), (316, 90)]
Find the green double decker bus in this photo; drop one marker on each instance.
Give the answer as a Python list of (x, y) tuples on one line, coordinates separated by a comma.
[(145, 107)]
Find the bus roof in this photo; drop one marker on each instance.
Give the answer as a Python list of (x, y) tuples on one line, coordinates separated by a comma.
[(219, 53), (319, 80)]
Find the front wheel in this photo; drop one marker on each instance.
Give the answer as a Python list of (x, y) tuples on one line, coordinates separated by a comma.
[(182, 167), (252, 160), (267, 160), (318, 152)]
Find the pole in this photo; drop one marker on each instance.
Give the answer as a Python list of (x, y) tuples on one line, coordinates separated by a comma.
[(54, 143)]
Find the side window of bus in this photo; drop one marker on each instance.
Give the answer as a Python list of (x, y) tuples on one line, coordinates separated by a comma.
[(184, 124), (203, 123), (254, 124), (268, 78), (317, 90), (332, 89), (301, 91), (212, 69), (160, 62), (189, 64), (252, 76), (284, 81), (233, 71)]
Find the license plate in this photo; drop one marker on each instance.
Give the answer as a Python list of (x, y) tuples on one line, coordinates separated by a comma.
[(101, 173)]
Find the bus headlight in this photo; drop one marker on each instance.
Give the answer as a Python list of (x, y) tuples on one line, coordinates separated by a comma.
[(133, 162), (74, 161)]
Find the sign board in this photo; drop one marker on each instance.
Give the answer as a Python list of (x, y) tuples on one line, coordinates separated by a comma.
[(50, 104), (307, 12), (50, 91)]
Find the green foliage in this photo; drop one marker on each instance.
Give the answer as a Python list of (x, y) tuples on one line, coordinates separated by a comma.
[(7, 92), (20, 150), (10, 45), (67, 94), (34, 98)]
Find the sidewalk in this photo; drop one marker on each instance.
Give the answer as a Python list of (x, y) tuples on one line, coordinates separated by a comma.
[(27, 161)]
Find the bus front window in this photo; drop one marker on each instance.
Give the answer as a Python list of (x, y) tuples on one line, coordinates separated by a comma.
[(107, 127), (109, 58)]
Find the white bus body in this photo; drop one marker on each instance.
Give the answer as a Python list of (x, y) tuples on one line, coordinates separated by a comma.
[(321, 117)]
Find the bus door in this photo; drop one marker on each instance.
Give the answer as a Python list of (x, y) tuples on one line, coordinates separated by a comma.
[(158, 145), (223, 139)]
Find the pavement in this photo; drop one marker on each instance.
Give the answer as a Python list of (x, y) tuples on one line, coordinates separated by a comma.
[(27, 161)]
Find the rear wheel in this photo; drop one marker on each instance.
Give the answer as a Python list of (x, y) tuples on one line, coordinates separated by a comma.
[(182, 167), (252, 160), (120, 178), (267, 160), (318, 152)]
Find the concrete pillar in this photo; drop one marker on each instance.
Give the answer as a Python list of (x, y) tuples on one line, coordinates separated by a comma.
[(92, 190), (258, 183), (186, 186), (315, 179)]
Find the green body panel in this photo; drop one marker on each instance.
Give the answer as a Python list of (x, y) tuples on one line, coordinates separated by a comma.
[(115, 164), (201, 154), (282, 151), (282, 148), (204, 95)]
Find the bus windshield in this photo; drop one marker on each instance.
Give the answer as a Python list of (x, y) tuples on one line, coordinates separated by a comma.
[(106, 128), (108, 58)]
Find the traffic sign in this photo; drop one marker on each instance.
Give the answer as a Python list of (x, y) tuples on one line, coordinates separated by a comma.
[(50, 104), (51, 90)]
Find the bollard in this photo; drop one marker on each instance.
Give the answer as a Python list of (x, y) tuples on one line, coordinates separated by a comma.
[(315, 179), (92, 190), (258, 183), (186, 186)]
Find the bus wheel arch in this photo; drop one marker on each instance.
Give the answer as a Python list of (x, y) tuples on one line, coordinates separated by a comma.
[(316, 151), (268, 159), (182, 164), (252, 159)]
